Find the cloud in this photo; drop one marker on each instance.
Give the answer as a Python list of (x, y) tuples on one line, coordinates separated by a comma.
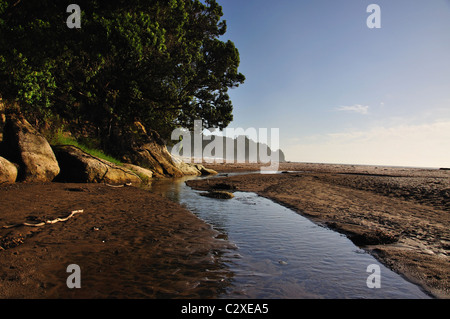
[(358, 108)]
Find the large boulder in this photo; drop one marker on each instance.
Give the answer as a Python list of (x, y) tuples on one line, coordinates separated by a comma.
[(187, 169), (8, 171), (78, 166), (205, 171), (192, 169), (24, 145), (218, 194), (154, 155), (144, 148)]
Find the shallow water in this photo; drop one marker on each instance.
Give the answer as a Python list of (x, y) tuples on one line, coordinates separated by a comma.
[(283, 255)]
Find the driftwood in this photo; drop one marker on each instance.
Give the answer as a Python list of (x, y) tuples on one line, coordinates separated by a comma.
[(119, 186), (54, 221)]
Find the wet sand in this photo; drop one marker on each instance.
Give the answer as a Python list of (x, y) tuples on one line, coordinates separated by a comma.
[(131, 243), (128, 242), (400, 215)]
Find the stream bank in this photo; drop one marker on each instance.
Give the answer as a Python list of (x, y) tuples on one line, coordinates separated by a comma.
[(401, 215), (282, 255)]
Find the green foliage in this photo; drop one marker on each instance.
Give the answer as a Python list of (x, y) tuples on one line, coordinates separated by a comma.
[(154, 61), (62, 138)]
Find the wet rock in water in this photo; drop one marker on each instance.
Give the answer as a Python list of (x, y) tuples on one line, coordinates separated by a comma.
[(8, 171), (78, 166), (218, 195), (373, 238), (24, 145), (224, 186)]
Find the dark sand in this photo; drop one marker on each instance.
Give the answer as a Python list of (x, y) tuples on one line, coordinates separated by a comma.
[(401, 215), (129, 243)]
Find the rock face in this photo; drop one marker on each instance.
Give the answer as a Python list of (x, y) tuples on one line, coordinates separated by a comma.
[(205, 171), (240, 149), (144, 174), (155, 156), (192, 169), (188, 169), (24, 145), (144, 148), (79, 167), (8, 171)]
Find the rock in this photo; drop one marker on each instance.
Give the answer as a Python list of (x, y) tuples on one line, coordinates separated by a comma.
[(224, 186), (144, 148), (156, 157), (376, 237), (8, 171), (24, 145), (188, 169), (218, 194), (144, 174), (192, 169), (205, 171), (78, 166)]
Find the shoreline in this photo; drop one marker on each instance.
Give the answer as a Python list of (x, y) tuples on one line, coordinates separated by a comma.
[(132, 243), (400, 215)]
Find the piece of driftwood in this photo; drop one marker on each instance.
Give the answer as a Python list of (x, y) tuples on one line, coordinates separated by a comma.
[(48, 222)]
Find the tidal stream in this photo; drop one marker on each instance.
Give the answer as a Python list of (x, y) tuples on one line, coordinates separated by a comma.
[(283, 255)]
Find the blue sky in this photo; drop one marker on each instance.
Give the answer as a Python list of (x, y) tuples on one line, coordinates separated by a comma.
[(338, 91)]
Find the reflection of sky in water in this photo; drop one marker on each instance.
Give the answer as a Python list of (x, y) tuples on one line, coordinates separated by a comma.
[(284, 255)]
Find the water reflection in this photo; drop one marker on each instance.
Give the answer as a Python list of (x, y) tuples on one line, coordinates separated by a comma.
[(281, 254)]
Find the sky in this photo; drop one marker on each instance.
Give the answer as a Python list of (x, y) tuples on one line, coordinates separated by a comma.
[(339, 91)]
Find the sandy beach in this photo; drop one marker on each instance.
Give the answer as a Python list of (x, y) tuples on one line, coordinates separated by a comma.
[(131, 243), (400, 215), (128, 242)]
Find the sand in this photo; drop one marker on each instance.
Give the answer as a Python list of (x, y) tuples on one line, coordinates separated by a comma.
[(131, 243), (400, 215), (128, 243)]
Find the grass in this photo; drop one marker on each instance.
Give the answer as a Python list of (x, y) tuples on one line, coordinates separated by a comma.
[(60, 138)]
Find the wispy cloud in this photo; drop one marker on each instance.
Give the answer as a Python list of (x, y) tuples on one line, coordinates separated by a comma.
[(358, 108)]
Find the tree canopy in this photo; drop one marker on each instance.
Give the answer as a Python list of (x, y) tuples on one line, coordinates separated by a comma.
[(162, 63)]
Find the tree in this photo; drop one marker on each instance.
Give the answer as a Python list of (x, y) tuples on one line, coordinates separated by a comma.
[(158, 62)]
